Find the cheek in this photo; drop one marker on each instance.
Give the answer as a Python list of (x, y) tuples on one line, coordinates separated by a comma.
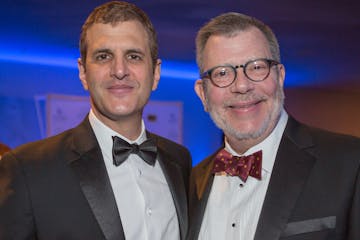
[(214, 101), (270, 89), (94, 88), (95, 78), (275, 98)]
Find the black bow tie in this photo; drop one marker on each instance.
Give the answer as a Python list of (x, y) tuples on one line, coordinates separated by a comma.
[(122, 149)]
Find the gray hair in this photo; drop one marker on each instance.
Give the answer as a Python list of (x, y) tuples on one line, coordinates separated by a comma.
[(229, 24)]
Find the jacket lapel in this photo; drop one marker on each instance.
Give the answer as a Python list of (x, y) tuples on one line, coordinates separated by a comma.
[(174, 177), (90, 169), (202, 179), (292, 166)]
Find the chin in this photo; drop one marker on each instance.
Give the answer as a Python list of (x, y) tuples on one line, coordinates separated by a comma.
[(246, 131)]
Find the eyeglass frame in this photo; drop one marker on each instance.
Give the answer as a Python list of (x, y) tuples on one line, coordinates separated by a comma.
[(270, 62)]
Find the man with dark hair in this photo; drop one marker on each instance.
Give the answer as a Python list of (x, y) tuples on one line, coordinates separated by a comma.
[(107, 178), (274, 178)]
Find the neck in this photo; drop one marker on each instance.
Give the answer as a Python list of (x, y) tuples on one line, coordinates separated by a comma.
[(242, 145), (127, 126)]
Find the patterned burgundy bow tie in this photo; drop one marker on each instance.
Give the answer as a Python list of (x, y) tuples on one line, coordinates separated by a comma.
[(238, 166), (122, 149)]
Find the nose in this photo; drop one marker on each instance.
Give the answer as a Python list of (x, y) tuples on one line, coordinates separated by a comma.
[(242, 83), (119, 68)]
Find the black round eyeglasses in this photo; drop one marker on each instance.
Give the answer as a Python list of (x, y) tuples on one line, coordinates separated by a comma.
[(256, 70)]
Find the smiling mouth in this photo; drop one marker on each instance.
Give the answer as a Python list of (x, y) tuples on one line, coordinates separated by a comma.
[(245, 105), (120, 89)]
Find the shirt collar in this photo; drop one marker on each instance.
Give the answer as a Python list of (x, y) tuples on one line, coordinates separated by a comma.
[(104, 134)]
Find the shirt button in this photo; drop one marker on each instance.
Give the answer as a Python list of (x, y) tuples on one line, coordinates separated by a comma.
[(233, 225), (149, 211)]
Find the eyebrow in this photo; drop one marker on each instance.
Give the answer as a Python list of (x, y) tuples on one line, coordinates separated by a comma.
[(135, 50), (129, 51), (101, 50)]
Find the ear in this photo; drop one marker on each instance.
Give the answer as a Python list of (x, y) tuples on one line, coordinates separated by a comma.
[(281, 75), (200, 91), (157, 71), (82, 74)]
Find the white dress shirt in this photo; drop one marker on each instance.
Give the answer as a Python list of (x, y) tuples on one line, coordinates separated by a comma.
[(143, 197), (234, 207)]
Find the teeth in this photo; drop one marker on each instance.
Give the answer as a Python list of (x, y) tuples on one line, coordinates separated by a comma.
[(242, 106)]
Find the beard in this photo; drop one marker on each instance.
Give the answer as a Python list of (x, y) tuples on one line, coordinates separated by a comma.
[(266, 127)]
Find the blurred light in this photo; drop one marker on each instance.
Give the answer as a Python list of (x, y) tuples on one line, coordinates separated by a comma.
[(68, 59), (182, 70), (33, 52)]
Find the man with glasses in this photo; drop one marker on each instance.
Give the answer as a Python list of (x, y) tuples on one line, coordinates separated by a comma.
[(274, 178)]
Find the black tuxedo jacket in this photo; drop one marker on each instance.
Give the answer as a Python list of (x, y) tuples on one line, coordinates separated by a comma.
[(314, 189), (58, 188)]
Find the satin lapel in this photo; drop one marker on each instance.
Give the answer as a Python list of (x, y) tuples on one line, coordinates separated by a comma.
[(90, 169), (203, 179), (291, 169), (174, 178)]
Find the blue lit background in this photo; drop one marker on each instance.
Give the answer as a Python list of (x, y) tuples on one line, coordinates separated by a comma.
[(38, 54)]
